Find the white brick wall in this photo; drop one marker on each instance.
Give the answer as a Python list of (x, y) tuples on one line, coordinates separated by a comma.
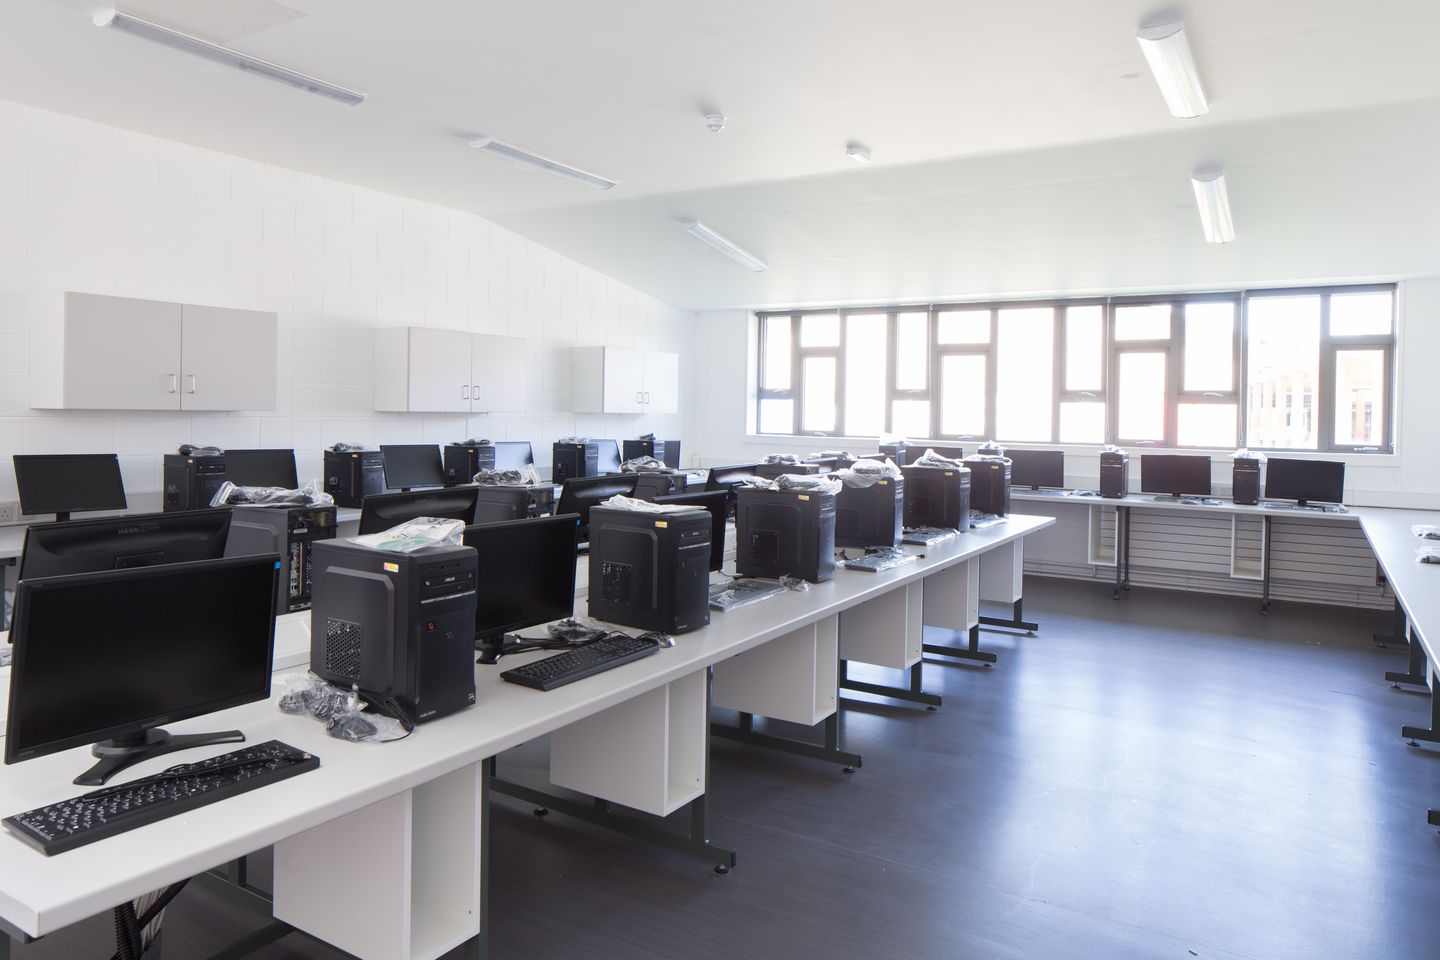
[(89, 208)]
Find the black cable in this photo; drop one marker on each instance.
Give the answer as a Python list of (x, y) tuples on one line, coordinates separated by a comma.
[(171, 892)]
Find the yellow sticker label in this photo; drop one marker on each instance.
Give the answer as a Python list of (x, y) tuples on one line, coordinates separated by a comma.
[(804, 496), (392, 567), (949, 473), (661, 523)]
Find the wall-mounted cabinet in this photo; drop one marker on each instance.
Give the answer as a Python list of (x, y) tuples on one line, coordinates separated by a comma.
[(625, 380), (424, 370), (116, 353)]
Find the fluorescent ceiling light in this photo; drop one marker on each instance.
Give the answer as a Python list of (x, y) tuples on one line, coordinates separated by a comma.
[(738, 254), (231, 58), (858, 152), (511, 152), (1169, 57), (1214, 205)]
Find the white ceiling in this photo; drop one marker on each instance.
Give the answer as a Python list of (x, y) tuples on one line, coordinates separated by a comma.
[(1012, 155)]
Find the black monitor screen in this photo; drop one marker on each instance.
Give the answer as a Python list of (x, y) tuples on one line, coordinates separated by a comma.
[(581, 493), (526, 573), (1320, 480), (513, 455), (381, 511), (494, 504), (1173, 474), (718, 503), (118, 543), (101, 655), (261, 468), (723, 478), (412, 465), (608, 459), (62, 483), (1036, 468)]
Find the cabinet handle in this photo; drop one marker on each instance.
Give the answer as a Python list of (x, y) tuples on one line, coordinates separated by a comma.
[(174, 383), (192, 383), (475, 392), (639, 397), (647, 396), (465, 392)]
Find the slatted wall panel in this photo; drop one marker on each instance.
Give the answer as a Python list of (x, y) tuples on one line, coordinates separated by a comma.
[(1314, 561)]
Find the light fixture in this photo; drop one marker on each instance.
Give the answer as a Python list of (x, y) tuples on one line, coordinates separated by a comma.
[(857, 152), (714, 122), (1169, 57), (1214, 205), (224, 55), (511, 152), (738, 254)]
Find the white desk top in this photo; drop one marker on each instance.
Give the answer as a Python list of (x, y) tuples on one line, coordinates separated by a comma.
[(41, 894), (1147, 502), (1416, 585)]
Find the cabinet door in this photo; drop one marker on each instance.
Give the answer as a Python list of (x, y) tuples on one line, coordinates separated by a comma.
[(439, 371), (227, 359), (121, 354), (662, 383), (498, 374), (624, 380)]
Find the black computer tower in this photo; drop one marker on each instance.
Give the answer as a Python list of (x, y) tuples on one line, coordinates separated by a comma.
[(648, 486), (870, 516), (191, 482), (571, 460), (291, 532), (666, 451), (1114, 474), (937, 497), (989, 486), (542, 500), (771, 471), (353, 475), (464, 460), (397, 625), (784, 533), (896, 452), (1245, 481), (650, 571)]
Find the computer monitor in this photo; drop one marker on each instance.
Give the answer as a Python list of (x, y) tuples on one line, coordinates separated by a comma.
[(412, 465), (1036, 468), (261, 468), (119, 543), (1305, 480), (104, 657), (725, 478), (382, 511), (513, 455), (916, 451), (579, 494), (527, 573), (718, 503), (1175, 475), (608, 460), (497, 504), (62, 483)]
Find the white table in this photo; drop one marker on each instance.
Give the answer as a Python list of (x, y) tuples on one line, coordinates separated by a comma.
[(410, 812)]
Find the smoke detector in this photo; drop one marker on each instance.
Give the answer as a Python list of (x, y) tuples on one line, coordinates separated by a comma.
[(714, 122)]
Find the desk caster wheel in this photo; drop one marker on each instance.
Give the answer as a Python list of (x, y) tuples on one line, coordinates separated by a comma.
[(721, 870), (1029, 633), (847, 769), (1394, 686), (1411, 743), (987, 665), (932, 708), (540, 811)]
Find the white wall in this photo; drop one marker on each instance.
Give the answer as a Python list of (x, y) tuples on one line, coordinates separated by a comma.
[(1410, 478), (89, 208)]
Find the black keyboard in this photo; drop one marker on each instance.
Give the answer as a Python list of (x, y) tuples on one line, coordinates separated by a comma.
[(102, 813), (594, 657)]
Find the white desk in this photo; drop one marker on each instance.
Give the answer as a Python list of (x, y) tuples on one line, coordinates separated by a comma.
[(1243, 520), (386, 790)]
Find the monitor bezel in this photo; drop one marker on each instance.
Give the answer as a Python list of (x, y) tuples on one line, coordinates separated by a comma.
[(274, 451), (1329, 464), (1145, 481), (222, 518), (400, 484), (1059, 466), (555, 520), (380, 499), (21, 462)]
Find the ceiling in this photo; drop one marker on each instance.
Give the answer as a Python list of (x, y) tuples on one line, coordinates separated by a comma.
[(1018, 148)]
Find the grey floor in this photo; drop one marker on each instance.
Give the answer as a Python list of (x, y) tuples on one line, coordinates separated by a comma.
[(1166, 776)]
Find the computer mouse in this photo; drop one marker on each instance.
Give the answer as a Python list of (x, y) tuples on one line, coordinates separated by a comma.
[(352, 727)]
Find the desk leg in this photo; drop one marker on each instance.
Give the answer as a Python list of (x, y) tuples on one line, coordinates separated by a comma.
[(1122, 549), (913, 695), (1398, 636), (1016, 621), (1431, 734), (829, 751), (1265, 569), (1416, 674), (971, 651)]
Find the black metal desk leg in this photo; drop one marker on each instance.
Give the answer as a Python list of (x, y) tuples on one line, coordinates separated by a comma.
[(1016, 622), (1122, 549), (970, 652), (1398, 636), (1265, 569), (913, 695), (1416, 673), (1432, 733)]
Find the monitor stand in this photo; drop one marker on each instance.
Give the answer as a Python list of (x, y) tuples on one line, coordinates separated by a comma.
[(117, 754), (62, 516)]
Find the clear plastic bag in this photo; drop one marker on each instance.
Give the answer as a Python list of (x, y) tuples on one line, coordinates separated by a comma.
[(795, 583), (309, 495), (866, 473), (742, 593), (809, 482), (1243, 454), (414, 534), (1428, 554), (646, 465), (622, 502), (1425, 531), (990, 449), (525, 477), (342, 711), (575, 630), (932, 459), (573, 440), (781, 458)]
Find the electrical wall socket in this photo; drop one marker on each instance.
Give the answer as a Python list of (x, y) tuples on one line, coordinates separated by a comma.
[(9, 511)]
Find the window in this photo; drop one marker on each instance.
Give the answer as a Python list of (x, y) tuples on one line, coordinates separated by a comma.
[(1308, 369)]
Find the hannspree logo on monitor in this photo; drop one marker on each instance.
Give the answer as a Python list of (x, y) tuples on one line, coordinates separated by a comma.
[(141, 528)]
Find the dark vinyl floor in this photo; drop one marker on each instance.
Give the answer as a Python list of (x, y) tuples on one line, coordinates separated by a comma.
[(1164, 776)]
